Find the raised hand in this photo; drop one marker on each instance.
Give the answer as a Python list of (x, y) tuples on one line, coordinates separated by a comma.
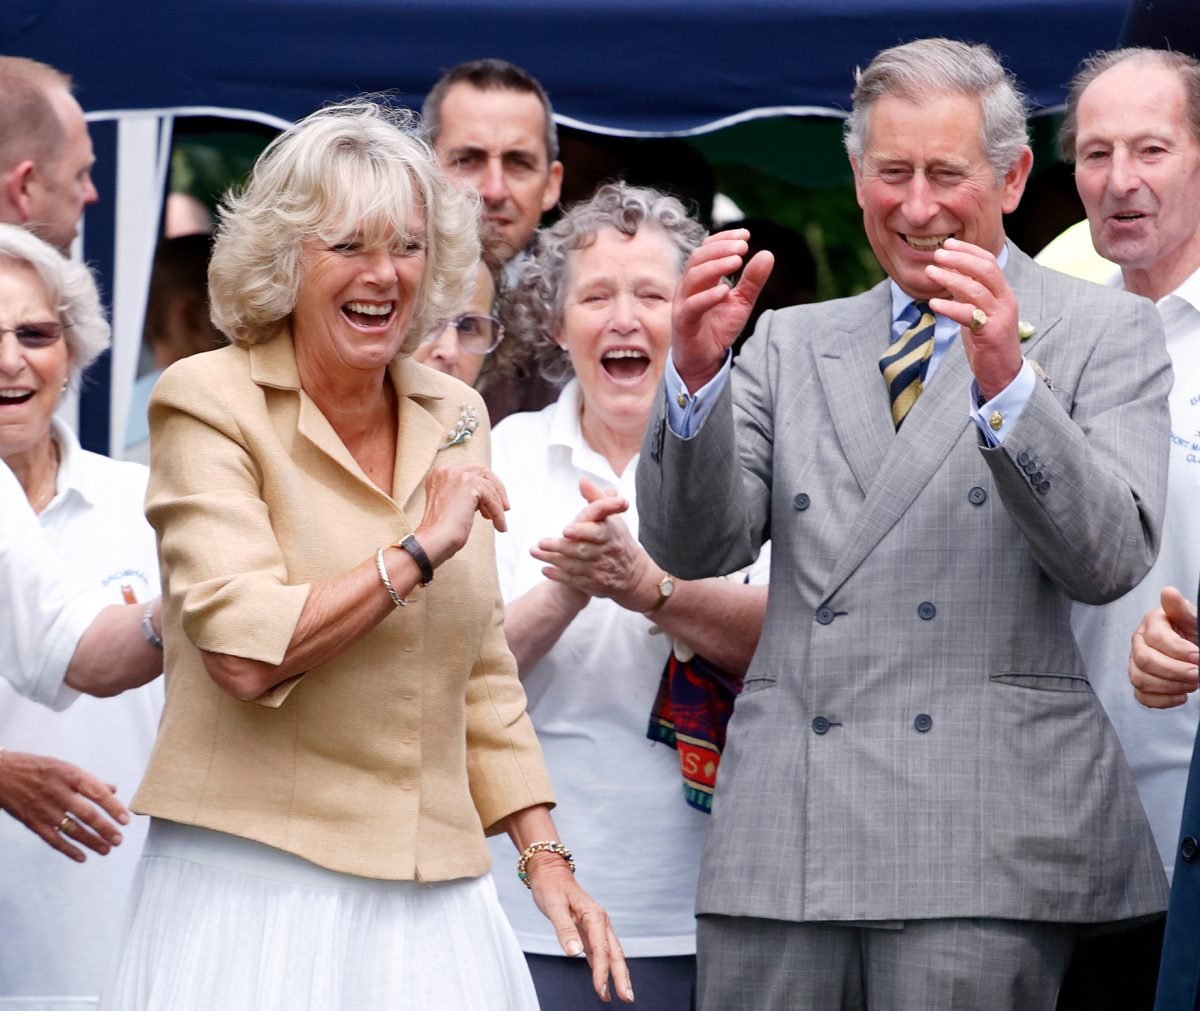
[(990, 339), (708, 314), (453, 495)]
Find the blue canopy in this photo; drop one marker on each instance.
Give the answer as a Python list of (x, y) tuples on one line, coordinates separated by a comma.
[(637, 67)]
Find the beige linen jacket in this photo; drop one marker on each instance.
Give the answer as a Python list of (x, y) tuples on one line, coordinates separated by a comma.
[(390, 760)]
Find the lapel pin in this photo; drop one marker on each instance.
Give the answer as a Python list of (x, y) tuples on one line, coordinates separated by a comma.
[(463, 429), (1025, 330)]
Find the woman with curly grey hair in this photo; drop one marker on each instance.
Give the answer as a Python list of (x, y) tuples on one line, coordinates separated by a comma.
[(344, 720), (583, 600)]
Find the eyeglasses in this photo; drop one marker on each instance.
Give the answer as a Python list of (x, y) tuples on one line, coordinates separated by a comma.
[(36, 335), (477, 334)]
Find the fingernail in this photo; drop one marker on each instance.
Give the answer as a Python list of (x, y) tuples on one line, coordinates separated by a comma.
[(629, 995), (574, 948), (117, 839), (604, 992), (123, 818)]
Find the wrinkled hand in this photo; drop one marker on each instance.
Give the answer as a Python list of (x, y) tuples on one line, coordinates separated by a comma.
[(708, 314), (972, 275), (580, 922), (453, 495), (38, 791), (597, 554), (1163, 658)]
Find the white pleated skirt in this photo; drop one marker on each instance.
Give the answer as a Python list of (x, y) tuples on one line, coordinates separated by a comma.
[(219, 923)]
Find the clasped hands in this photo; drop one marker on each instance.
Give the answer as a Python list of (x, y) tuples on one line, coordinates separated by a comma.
[(597, 556)]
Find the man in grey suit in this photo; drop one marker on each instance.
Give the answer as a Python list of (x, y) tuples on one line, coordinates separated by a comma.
[(921, 799)]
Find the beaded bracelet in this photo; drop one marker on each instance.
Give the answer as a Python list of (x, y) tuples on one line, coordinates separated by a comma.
[(398, 600), (545, 846)]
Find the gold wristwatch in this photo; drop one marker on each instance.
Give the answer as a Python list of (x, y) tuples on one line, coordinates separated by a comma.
[(666, 586)]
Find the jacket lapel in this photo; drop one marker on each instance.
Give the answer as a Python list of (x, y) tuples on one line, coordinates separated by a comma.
[(847, 362), (904, 463), (273, 364), (421, 433)]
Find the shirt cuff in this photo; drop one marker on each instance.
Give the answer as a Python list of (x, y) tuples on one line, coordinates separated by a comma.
[(997, 416), (686, 411)]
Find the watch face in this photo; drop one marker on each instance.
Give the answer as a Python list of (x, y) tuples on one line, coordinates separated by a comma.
[(667, 586)]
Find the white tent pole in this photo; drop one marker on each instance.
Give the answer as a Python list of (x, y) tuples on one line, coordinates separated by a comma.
[(143, 160)]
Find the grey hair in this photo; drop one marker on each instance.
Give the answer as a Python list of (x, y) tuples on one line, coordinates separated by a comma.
[(71, 288), (944, 66), (1187, 67), (536, 304), (352, 170)]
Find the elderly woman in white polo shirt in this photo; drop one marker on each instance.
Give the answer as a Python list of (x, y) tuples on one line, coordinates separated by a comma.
[(584, 602), (61, 921)]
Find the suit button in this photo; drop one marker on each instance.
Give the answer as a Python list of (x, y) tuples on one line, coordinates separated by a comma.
[(977, 496), (1187, 848), (926, 611), (820, 725), (801, 502), (923, 723), (1036, 477), (1030, 467), (1043, 487), (825, 614), (1022, 458)]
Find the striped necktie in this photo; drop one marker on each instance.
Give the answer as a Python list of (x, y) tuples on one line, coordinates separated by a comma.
[(904, 363)]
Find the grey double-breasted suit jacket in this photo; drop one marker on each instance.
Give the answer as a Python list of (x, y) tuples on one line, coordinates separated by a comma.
[(917, 736)]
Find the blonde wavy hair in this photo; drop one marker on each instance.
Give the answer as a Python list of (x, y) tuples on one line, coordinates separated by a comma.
[(356, 170)]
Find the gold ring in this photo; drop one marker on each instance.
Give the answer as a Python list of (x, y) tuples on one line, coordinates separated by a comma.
[(978, 320), (65, 823)]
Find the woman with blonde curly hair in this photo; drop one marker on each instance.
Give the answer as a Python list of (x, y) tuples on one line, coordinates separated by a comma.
[(344, 721)]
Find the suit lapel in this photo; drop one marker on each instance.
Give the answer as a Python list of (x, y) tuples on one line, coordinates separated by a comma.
[(912, 458), (901, 465), (847, 363)]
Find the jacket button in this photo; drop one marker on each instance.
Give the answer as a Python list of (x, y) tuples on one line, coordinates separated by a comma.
[(923, 723), (820, 725), (825, 614), (926, 611), (1029, 467), (801, 502), (1022, 458), (977, 496), (1187, 848), (1043, 487)]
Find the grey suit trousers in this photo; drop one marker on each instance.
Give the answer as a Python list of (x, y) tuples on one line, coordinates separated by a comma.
[(751, 964)]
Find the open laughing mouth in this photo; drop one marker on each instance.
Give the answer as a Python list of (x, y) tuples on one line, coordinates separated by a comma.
[(369, 315), (626, 365), (8, 397)]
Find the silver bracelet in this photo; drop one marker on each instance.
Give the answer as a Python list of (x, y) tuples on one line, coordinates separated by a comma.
[(151, 636), (398, 600)]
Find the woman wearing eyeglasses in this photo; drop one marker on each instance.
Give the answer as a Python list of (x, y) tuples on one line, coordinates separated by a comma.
[(61, 920), (460, 347)]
